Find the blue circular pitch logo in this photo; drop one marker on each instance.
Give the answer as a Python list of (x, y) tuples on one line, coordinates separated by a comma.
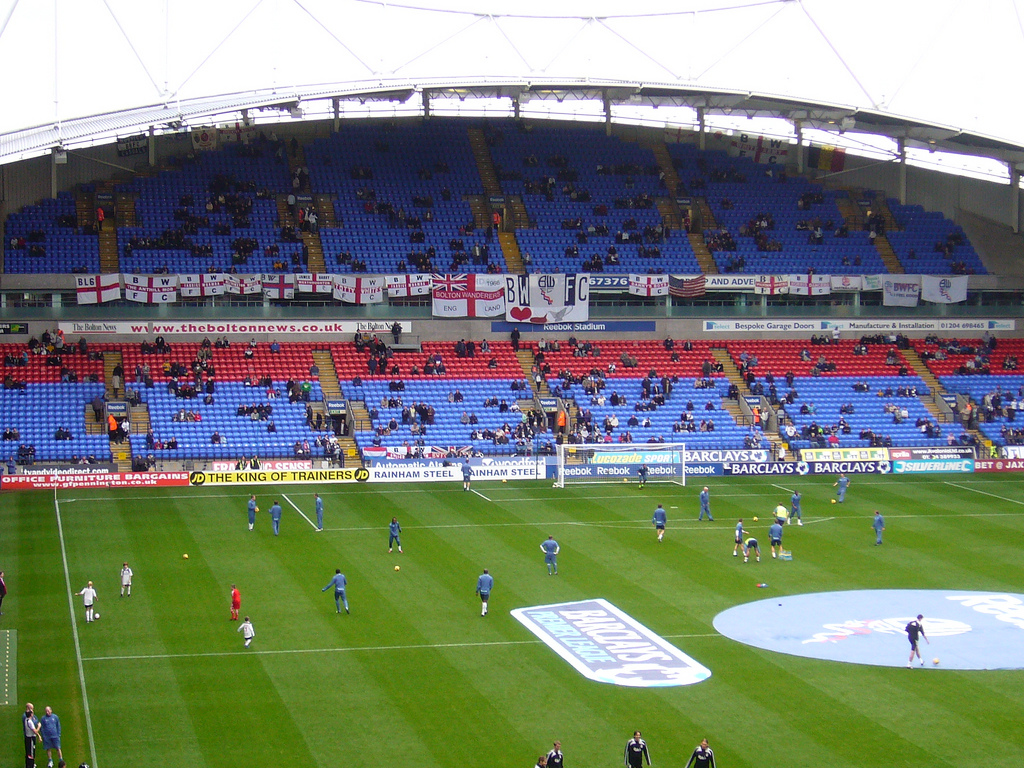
[(965, 630)]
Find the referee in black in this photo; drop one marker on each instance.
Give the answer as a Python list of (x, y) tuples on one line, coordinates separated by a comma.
[(636, 752), (702, 757)]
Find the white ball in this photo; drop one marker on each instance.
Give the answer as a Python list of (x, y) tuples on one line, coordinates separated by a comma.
[(95, 615)]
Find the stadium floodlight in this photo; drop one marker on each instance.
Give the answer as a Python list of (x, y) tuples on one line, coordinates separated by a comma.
[(580, 463)]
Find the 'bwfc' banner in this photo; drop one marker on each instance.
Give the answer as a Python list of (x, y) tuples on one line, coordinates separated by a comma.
[(547, 298), (902, 291), (604, 644)]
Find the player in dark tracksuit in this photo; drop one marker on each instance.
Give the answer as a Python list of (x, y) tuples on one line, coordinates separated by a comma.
[(636, 752), (702, 757), (915, 631)]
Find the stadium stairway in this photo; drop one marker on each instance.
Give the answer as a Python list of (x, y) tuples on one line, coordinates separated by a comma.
[(937, 390), (484, 161), (851, 212), (315, 251), (525, 357), (85, 212), (124, 209), (111, 359), (889, 258), (331, 388), (109, 261), (704, 257), (93, 427), (325, 207), (510, 247)]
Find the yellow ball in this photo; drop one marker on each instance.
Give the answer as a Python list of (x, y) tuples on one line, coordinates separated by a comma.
[(935, 661), (833, 501), (398, 567), (625, 479), (257, 509), (755, 519), (504, 480), (185, 556)]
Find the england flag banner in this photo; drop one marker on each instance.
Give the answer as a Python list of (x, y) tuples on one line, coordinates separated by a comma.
[(547, 298), (901, 290), (810, 285), (846, 283), (200, 284), (278, 286), (359, 290), (151, 289), (648, 285), (468, 295), (307, 282), (943, 289), (771, 285), (244, 285), (98, 289), (401, 286)]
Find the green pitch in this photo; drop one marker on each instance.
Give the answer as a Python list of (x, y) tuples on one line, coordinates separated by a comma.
[(416, 678)]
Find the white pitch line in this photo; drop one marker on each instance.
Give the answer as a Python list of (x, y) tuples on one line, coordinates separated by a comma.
[(984, 493), (474, 490), (354, 649), (781, 488), (283, 496), (822, 520), (74, 631)]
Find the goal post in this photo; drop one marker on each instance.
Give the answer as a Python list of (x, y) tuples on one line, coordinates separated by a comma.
[(581, 463)]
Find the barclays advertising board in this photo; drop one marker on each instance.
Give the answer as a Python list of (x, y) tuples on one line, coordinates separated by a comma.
[(808, 468)]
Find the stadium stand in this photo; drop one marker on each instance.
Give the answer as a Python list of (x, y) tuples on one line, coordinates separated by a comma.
[(586, 195), (217, 212), (46, 239), (400, 199), (929, 243)]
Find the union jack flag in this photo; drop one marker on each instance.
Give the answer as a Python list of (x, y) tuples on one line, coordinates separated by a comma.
[(449, 282)]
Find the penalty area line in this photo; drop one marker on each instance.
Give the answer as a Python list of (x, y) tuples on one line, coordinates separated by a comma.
[(474, 490), (285, 497)]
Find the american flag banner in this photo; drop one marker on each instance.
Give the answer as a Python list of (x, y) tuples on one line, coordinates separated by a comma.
[(400, 286), (151, 289), (98, 289), (199, 284), (278, 286), (307, 282), (243, 285), (687, 287), (648, 285), (810, 285), (359, 290), (771, 285), (466, 295)]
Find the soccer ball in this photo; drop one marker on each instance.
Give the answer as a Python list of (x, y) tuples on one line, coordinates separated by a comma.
[(257, 509), (935, 661), (96, 616), (755, 519), (625, 479), (185, 556), (504, 481), (398, 568), (833, 501)]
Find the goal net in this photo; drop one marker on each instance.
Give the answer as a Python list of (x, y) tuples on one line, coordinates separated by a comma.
[(617, 462)]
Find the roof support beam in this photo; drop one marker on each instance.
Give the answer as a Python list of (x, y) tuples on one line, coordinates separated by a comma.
[(901, 149)]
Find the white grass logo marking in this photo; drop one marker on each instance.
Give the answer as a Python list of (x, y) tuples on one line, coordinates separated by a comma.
[(609, 646)]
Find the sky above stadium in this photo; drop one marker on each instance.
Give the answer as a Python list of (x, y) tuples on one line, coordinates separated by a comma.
[(947, 62)]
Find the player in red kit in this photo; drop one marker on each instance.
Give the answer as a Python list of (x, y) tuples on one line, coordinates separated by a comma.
[(236, 602)]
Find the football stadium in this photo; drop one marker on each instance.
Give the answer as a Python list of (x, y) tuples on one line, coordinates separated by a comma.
[(499, 384)]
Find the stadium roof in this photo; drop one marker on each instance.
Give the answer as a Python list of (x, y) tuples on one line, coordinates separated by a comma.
[(937, 73)]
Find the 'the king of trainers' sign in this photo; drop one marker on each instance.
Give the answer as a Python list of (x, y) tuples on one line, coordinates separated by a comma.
[(609, 646)]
